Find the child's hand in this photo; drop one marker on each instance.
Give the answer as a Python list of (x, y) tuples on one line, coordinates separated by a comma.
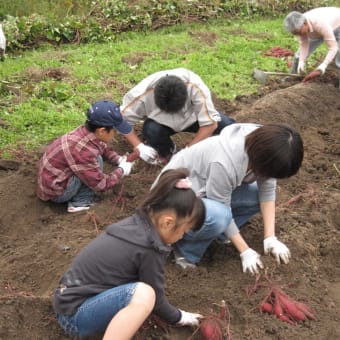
[(189, 319), (126, 167)]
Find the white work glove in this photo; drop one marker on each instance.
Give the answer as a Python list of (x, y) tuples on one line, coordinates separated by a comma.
[(251, 260), (322, 67), (147, 153), (273, 246), (121, 159), (301, 67), (126, 167), (189, 319)]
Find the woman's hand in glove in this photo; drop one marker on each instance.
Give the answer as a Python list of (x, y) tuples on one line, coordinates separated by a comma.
[(251, 260), (273, 246)]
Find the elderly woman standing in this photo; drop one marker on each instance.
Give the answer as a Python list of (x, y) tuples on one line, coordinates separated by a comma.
[(312, 28)]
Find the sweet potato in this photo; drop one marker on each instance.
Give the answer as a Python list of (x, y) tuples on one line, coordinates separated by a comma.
[(306, 310), (291, 309), (277, 307), (132, 156), (267, 307), (210, 329), (285, 318)]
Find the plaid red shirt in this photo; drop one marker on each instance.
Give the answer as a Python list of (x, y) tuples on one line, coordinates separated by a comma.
[(76, 154)]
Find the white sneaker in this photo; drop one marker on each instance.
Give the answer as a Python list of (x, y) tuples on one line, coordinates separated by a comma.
[(71, 208), (182, 262)]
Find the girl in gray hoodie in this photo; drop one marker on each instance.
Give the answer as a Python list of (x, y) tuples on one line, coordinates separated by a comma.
[(117, 280)]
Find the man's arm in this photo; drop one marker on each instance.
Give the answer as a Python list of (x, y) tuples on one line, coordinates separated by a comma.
[(146, 153), (133, 138), (203, 133)]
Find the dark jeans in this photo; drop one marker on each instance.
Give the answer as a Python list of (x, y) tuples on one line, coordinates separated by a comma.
[(158, 135)]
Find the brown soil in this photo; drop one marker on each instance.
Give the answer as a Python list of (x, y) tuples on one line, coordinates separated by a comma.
[(39, 240)]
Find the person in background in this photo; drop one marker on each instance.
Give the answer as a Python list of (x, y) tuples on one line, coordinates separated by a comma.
[(312, 28), (117, 280), (235, 174), (168, 102), (71, 169)]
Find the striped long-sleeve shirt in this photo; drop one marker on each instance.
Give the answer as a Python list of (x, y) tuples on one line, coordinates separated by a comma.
[(139, 103)]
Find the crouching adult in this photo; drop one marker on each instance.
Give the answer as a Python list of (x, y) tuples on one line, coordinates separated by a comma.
[(235, 173), (312, 28), (169, 102)]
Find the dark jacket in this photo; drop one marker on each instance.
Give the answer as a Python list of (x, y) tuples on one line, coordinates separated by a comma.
[(128, 251)]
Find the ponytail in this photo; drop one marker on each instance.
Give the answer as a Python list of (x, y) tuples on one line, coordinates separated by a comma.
[(173, 191)]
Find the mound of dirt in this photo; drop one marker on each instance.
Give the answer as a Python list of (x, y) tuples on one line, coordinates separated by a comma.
[(39, 240)]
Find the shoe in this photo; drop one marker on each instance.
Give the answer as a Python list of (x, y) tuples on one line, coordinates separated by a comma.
[(71, 208), (182, 262)]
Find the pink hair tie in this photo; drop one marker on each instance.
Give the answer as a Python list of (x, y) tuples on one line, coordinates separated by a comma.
[(183, 183)]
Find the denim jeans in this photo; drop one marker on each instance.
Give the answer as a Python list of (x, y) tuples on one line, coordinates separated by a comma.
[(94, 315), (77, 192), (314, 43), (158, 135), (244, 204)]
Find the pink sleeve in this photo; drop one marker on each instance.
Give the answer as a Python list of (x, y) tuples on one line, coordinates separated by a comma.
[(303, 47), (326, 31)]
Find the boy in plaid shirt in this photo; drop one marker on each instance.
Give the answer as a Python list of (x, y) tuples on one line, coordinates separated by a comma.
[(71, 169)]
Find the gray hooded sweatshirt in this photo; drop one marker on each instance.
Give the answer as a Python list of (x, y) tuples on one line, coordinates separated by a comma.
[(128, 251)]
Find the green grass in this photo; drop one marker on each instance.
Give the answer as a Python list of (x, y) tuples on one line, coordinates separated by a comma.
[(38, 108), (59, 8)]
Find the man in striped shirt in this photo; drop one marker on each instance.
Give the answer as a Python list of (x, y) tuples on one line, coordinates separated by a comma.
[(168, 102)]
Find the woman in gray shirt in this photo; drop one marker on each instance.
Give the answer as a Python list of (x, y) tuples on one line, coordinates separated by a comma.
[(235, 175)]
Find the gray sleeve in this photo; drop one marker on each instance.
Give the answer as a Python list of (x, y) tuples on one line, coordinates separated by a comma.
[(133, 109), (267, 190)]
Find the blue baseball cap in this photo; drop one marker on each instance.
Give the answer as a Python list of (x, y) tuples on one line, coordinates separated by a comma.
[(107, 114)]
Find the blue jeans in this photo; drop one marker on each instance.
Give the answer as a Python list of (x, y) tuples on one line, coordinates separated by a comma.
[(158, 135), (314, 43), (95, 314), (244, 204), (77, 192)]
